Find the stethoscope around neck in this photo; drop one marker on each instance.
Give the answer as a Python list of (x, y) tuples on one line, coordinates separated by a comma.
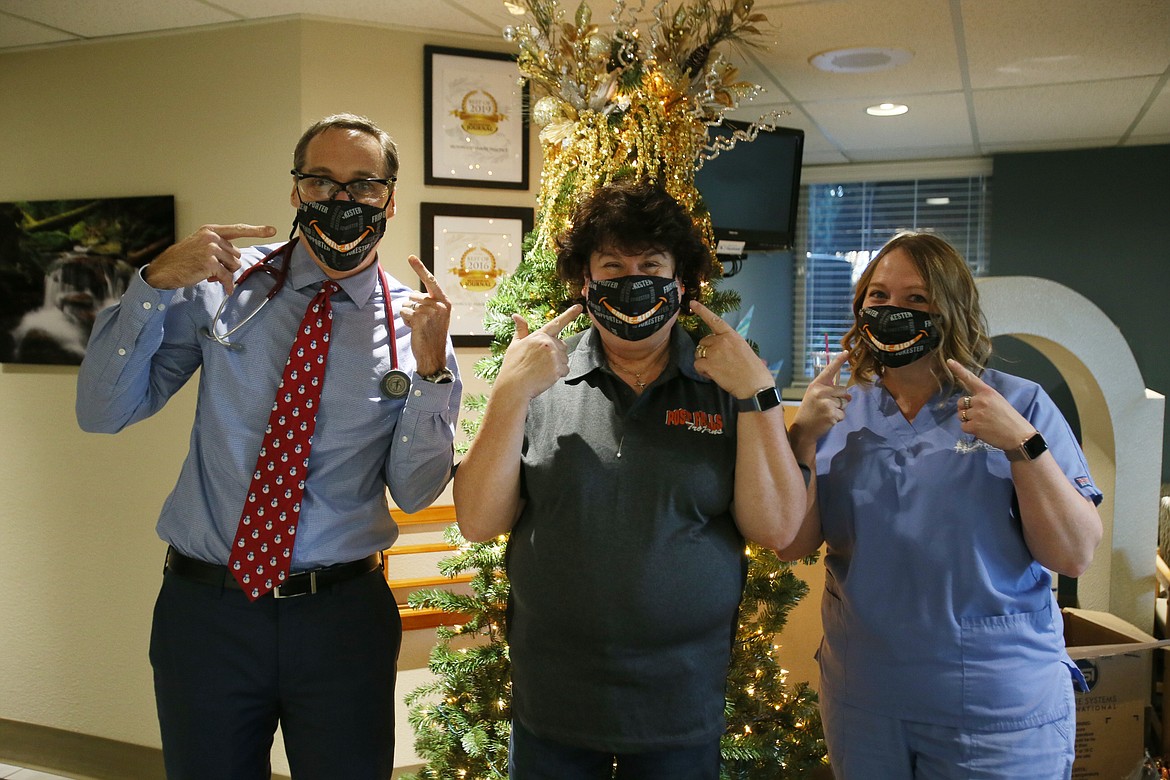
[(394, 383)]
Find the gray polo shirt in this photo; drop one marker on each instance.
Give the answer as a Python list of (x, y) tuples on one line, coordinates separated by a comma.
[(626, 566)]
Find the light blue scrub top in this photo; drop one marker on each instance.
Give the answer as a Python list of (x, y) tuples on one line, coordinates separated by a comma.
[(935, 610)]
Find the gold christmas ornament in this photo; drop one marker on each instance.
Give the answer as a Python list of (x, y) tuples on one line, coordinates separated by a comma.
[(627, 101)]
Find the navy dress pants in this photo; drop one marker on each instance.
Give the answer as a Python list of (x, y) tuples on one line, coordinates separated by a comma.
[(227, 671)]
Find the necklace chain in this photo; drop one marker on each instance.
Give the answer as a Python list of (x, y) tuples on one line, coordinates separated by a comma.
[(637, 375)]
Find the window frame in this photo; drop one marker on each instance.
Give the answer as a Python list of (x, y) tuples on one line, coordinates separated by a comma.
[(919, 176)]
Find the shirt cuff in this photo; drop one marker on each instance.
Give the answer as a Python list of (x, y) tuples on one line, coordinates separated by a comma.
[(430, 397)]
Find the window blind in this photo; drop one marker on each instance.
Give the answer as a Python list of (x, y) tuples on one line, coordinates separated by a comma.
[(840, 228)]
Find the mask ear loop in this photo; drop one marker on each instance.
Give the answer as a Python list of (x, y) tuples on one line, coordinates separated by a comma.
[(292, 232)]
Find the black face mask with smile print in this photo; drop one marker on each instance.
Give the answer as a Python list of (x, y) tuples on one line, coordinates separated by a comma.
[(341, 232), (896, 336), (633, 307)]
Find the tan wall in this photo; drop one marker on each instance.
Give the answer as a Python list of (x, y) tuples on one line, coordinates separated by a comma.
[(210, 117)]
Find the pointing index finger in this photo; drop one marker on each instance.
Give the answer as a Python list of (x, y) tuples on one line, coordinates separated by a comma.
[(970, 382), (831, 373), (428, 279), (713, 320), (242, 230), (561, 321)]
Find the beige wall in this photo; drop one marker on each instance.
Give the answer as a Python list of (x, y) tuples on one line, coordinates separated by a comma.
[(210, 117)]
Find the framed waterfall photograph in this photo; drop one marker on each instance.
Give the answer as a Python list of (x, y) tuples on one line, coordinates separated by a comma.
[(475, 247), (63, 261), (476, 128)]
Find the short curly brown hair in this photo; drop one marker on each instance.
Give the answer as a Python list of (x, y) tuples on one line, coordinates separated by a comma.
[(634, 217)]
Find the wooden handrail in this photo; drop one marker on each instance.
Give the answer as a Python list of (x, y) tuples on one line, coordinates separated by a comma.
[(411, 549), (432, 515), (416, 619), (425, 617), (428, 582)]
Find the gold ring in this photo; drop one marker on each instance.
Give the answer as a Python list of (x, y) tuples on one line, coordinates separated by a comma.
[(963, 416), (701, 351), (966, 402)]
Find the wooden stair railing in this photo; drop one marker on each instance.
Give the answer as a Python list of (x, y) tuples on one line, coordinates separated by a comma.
[(436, 517)]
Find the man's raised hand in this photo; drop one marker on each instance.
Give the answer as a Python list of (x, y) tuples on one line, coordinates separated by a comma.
[(428, 315), (208, 253)]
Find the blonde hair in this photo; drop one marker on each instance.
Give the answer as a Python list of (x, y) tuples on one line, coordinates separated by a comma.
[(954, 300)]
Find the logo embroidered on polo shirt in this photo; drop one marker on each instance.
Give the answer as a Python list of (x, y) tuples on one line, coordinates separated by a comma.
[(699, 421)]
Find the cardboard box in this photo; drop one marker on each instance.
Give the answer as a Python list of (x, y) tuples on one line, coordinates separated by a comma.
[(1117, 660)]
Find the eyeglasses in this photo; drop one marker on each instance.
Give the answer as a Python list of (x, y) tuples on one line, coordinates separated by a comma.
[(315, 187)]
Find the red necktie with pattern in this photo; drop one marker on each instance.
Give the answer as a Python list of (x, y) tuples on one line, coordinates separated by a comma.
[(262, 550)]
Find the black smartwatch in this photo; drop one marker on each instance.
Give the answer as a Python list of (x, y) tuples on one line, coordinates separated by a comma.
[(761, 401), (1033, 447)]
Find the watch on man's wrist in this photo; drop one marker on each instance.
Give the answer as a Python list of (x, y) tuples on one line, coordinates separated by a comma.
[(760, 401), (440, 377), (1032, 447)]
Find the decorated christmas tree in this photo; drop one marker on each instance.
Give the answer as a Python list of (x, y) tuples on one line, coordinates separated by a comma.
[(637, 102)]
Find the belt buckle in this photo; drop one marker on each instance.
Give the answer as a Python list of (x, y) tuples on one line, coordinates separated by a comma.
[(276, 594)]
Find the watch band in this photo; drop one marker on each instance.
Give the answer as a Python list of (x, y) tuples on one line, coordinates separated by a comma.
[(760, 401), (440, 377), (1031, 448)]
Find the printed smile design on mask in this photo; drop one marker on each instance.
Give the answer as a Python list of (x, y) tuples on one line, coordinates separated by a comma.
[(341, 233), (633, 307), (877, 344), (897, 336), (633, 319), (333, 244)]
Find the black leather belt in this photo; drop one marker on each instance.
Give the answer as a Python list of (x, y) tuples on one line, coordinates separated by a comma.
[(303, 583)]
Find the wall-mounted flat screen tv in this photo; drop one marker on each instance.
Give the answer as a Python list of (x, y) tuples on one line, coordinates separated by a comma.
[(752, 189)]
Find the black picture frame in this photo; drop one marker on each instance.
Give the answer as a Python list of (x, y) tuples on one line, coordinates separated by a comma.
[(470, 248), (476, 123)]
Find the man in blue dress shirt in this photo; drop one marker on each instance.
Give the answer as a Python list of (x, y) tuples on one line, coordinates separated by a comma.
[(318, 654)]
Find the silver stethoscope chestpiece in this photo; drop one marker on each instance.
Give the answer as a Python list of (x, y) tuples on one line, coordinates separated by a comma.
[(395, 383)]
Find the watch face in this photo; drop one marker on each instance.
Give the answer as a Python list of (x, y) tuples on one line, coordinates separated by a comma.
[(1035, 446), (768, 398), (762, 401)]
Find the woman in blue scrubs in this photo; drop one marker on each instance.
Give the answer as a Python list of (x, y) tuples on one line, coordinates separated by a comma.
[(945, 491)]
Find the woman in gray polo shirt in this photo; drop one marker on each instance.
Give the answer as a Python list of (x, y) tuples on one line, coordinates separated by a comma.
[(629, 465)]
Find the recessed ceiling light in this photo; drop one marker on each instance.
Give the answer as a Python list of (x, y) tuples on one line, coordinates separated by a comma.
[(860, 60), (938, 201), (887, 109)]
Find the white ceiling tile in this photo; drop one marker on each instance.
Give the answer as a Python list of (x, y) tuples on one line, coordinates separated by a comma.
[(477, 17), (1147, 140), (18, 32), (823, 158), (910, 153), (1048, 146), (933, 121), (1062, 112), (95, 19), (921, 26), (1156, 122), (1022, 42)]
